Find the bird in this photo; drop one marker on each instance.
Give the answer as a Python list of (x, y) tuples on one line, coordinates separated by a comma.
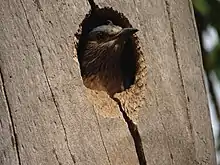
[(100, 61)]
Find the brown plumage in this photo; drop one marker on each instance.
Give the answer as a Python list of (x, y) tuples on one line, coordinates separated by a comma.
[(100, 61)]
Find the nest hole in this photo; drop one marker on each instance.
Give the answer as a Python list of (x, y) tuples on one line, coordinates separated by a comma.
[(130, 55)]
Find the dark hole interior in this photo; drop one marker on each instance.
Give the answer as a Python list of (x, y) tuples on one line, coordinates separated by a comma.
[(129, 56)]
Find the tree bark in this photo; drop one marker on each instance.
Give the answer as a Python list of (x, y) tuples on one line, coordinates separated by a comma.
[(46, 116)]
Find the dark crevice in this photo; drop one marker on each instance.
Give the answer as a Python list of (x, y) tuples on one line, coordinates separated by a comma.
[(48, 82), (134, 133), (93, 5), (1, 124), (13, 131), (103, 143), (164, 128), (55, 154), (178, 63), (73, 158)]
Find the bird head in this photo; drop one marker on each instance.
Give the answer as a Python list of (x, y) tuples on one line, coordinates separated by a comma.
[(104, 47), (109, 36)]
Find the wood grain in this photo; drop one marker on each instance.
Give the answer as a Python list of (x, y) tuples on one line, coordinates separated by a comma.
[(45, 114)]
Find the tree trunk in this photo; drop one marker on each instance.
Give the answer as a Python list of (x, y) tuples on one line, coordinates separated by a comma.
[(47, 115)]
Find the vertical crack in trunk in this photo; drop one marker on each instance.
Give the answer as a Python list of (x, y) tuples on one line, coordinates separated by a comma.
[(134, 133), (165, 130), (167, 4), (48, 83), (56, 156), (15, 138)]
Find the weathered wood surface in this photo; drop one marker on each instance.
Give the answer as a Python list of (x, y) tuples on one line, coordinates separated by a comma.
[(45, 116)]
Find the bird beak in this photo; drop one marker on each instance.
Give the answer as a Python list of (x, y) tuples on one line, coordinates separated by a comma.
[(127, 32)]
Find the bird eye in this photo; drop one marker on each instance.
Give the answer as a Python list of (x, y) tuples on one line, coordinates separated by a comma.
[(100, 35)]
